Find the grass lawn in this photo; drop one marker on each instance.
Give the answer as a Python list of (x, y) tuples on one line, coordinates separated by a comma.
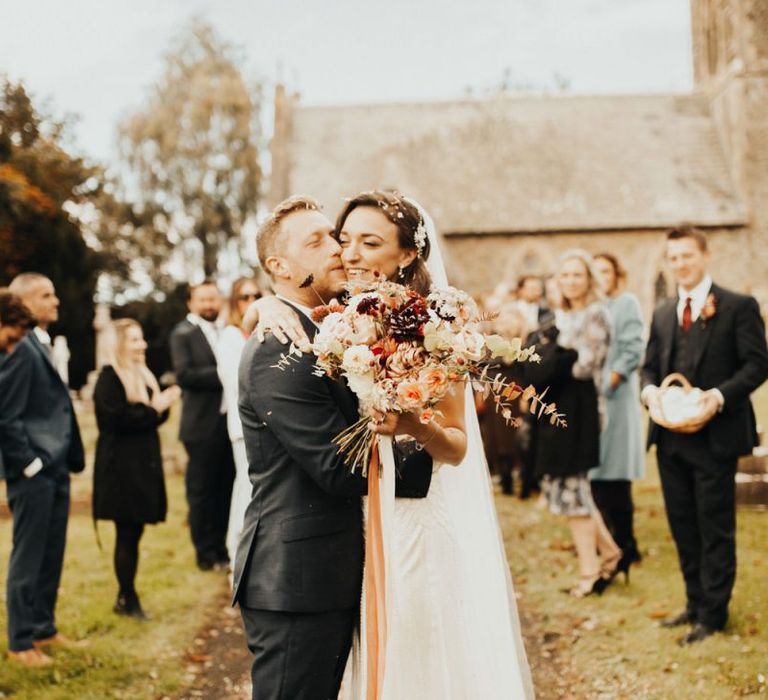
[(125, 659), (612, 646), (604, 648)]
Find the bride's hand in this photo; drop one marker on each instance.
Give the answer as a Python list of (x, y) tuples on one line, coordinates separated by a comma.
[(270, 314)]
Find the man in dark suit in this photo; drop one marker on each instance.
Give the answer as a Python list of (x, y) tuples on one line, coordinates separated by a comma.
[(716, 339), (211, 467), (41, 445), (299, 563)]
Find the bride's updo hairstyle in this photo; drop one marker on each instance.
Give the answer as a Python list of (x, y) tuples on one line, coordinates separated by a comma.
[(411, 231)]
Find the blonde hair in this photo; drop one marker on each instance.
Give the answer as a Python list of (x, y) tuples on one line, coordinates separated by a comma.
[(137, 379), (595, 290), (268, 241)]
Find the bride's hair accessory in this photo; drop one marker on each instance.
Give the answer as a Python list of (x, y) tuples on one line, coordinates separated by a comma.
[(393, 209), (420, 236)]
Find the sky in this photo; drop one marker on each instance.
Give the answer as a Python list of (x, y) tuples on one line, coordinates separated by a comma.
[(97, 58)]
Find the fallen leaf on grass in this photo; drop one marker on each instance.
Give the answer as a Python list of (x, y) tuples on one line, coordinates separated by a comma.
[(658, 614), (562, 546), (200, 658)]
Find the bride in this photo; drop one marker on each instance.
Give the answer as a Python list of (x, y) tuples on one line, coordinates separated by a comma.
[(454, 632)]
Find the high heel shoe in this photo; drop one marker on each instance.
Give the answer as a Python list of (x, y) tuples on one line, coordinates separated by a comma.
[(609, 573), (623, 568), (592, 584)]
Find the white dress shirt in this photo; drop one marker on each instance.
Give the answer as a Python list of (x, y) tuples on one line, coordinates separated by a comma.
[(230, 350), (211, 332), (43, 336), (697, 295)]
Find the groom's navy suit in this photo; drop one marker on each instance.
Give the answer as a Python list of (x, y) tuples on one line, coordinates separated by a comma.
[(299, 563), (37, 420), (726, 352)]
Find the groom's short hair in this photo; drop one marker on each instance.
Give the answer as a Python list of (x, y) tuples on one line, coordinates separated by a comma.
[(689, 231), (268, 234)]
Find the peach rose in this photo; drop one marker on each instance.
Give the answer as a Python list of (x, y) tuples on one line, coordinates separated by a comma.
[(436, 379), (411, 395)]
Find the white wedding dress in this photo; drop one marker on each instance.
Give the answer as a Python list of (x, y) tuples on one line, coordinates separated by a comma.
[(427, 656), (452, 624)]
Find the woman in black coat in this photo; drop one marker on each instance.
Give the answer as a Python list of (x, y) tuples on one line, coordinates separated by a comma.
[(572, 368), (128, 482)]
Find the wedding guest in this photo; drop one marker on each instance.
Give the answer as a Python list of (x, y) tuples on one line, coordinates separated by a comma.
[(621, 442), (716, 339), (539, 318), (504, 445), (211, 468), (573, 368), (41, 445), (128, 481), (530, 300), (15, 321), (244, 292)]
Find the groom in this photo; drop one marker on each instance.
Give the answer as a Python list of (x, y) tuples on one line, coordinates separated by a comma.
[(298, 569)]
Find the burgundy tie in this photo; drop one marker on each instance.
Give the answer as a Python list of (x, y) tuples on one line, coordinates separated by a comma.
[(687, 315)]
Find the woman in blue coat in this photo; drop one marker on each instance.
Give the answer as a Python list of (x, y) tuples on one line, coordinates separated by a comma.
[(621, 440)]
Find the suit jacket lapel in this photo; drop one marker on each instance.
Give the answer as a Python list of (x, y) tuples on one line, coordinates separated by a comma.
[(702, 331), (204, 340), (42, 350), (668, 324)]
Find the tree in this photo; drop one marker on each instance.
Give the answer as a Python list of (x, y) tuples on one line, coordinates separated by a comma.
[(191, 153), (41, 186)]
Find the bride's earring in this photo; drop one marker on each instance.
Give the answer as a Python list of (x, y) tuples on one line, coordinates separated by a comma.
[(400, 274)]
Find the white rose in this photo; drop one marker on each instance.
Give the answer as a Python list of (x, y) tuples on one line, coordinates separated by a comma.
[(358, 360), (471, 345), (363, 387), (364, 330)]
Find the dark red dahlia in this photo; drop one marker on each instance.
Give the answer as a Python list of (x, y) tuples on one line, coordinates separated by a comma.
[(369, 305), (407, 322)]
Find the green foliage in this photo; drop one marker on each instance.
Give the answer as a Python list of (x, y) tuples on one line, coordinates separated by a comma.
[(40, 187), (191, 158)]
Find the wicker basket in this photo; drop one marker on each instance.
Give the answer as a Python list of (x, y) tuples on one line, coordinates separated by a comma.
[(691, 424)]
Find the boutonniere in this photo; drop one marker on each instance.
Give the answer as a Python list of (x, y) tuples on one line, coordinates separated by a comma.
[(708, 310)]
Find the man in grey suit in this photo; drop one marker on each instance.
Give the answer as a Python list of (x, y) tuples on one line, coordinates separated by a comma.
[(41, 445)]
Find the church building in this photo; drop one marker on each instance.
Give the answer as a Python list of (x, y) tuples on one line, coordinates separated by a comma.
[(514, 181)]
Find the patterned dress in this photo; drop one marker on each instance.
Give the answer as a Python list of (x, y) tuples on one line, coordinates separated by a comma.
[(588, 331)]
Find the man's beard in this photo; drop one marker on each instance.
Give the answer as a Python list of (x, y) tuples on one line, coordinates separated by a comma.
[(209, 316)]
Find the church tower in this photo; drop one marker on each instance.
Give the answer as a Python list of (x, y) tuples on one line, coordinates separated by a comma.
[(730, 62)]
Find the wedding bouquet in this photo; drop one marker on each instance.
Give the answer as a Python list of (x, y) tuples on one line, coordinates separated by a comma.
[(401, 351)]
